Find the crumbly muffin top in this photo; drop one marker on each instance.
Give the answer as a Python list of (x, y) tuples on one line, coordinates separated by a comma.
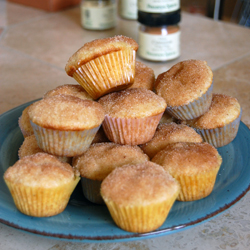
[(69, 89), (29, 147), (24, 123), (101, 158), (97, 48), (133, 103), (185, 82), (65, 112), (144, 76), (169, 133), (188, 158), (223, 110), (40, 169), (140, 184)]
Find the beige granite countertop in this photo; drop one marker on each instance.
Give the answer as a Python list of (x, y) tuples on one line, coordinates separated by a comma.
[(34, 48)]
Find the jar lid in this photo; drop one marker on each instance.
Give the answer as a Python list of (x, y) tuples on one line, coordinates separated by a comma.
[(159, 19)]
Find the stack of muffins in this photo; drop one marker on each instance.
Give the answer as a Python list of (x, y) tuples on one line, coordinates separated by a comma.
[(136, 144)]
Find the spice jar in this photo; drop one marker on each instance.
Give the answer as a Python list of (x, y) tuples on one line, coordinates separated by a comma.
[(98, 14), (128, 9), (159, 36)]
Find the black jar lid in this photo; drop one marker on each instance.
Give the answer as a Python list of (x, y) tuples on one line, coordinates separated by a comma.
[(159, 19)]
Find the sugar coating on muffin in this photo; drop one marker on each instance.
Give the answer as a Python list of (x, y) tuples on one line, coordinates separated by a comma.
[(101, 158), (40, 169), (224, 109), (24, 123), (140, 184), (184, 82), (66, 112), (69, 89), (133, 103), (97, 48), (170, 133), (144, 76)]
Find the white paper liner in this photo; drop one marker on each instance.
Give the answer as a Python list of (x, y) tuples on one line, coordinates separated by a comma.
[(91, 190), (107, 73), (219, 137), (130, 131), (63, 143), (194, 109)]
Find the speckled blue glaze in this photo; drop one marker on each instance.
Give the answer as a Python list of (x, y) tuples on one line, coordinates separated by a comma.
[(87, 222)]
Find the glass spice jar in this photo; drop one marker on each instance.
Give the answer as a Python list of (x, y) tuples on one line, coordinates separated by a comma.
[(128, 9), (98, 14)]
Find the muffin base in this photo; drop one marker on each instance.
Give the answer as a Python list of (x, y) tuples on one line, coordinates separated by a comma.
[(63, 143), (130, 131), (111, 72), (194, 109)]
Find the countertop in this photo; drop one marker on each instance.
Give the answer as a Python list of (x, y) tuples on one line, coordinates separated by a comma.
[(34, 48)]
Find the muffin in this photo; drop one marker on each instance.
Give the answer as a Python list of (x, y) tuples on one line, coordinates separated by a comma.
[(30, 147), (65, 125), (193, 165), (139, 197), (104, 65), (132, 115), (41, 185), (169, 133), (99, 161), (219, 125), (100, 136), (24, 123), (144, 76), (69, 89), (187, 89), (167, 118)]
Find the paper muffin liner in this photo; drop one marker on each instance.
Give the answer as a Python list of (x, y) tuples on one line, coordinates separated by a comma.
[(219, 137), (91, 190), (130, 131), (39, 201), (111, 72), (196, 187), (141, 218), (194, 109), (63, 143)]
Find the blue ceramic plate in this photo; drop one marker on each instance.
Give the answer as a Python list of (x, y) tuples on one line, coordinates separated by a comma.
[(84, 221)]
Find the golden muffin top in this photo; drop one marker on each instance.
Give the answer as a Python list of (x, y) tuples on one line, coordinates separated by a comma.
[(97, 48), (65, 112), (185, 82), (169, 133), (69, 89), (188, 158), (24, 123), (223, 110), (142, 184), (101, 158), (40, 170), (144, 76), (133, 103)]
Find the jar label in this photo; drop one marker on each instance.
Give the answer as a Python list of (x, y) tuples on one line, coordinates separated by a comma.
[(159, 47), (128, 9), (94, 17), (158, 6)]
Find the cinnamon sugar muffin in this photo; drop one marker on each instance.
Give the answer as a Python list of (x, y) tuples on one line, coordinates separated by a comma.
[(100, 160), (104, 65), (69, 89), (193, 165), (167, 118), (139, 197), (144, 76), (40, 184), (65, 125), (24, 123), (219, 125), (132, 115), (169, 133), (187, 88), (30, 147)]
